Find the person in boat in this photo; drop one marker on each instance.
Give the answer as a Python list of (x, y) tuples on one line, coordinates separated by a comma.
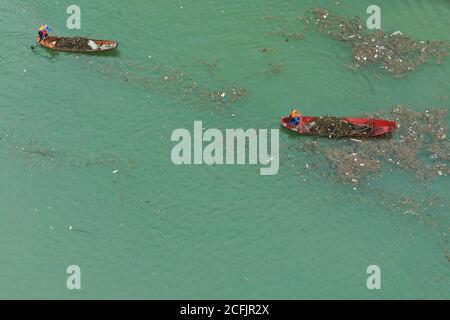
[(43, 32), (294, 118)]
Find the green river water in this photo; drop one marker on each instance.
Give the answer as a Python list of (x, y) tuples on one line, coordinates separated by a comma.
[(87, 178)]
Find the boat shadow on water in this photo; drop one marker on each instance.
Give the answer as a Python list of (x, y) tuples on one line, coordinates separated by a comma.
[(51, 56), (112, 53)]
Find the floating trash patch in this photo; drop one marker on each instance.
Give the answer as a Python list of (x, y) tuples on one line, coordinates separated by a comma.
[(426, 208), (394, 52), (41, 155), (174, 82), (283, 29), (273, 69)]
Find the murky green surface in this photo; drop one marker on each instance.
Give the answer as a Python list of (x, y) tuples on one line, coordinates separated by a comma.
[(156, 230)]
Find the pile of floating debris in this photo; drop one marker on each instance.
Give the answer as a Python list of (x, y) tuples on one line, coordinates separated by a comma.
[(350, 166), (232, 95), (395, 52)]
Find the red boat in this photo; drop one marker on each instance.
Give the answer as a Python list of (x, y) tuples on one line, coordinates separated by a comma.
[(359, 127)]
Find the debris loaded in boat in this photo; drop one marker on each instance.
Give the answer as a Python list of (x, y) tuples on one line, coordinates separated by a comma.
[(333, 127), (81, 44), (394, 51), (74, 43), (77, 44)]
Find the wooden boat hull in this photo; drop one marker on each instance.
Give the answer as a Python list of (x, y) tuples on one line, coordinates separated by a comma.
[(103, 45), (378, 127)]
